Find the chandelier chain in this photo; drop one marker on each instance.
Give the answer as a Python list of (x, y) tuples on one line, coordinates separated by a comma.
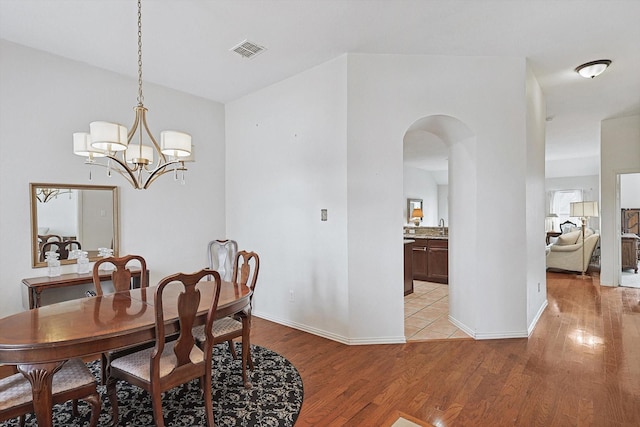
[(140, 96)]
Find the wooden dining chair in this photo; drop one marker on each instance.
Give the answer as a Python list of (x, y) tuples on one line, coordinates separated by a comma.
[(171, 363), (121, 280), (73, 381), (245, 271), (62, 248)]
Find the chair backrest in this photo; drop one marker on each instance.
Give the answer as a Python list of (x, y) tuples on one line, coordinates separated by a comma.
[(121, 275), (187, 308), (567, 226), (245, 269), (221, 255), (62, 248)]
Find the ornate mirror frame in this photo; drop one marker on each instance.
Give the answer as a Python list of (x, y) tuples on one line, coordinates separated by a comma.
[(40, 193)]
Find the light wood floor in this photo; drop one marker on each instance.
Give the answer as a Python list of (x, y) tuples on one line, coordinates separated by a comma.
[(580, 367)]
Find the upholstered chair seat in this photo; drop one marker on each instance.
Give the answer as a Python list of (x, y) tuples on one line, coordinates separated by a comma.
[(72, 381)]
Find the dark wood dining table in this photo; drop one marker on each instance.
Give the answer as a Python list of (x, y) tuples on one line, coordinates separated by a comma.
[(40, 340)]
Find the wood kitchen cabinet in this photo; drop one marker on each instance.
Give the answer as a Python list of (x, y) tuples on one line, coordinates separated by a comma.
[(629, 250), (408, 267), (431, 260)]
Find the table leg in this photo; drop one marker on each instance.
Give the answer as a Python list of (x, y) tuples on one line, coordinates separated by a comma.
[(41, 377), (38, 292)]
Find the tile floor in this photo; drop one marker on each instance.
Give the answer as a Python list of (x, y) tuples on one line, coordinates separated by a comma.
[(628, 278), (426, 313)]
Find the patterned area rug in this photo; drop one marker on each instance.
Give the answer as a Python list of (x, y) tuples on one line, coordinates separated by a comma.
[(274, 400)]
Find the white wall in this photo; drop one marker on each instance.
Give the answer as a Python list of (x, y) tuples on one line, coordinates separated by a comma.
[(419, 184), (443, 203), (630, 191), (535, 213), (331, 137), (402, 89), (43, 100), (619, 154), (286, 160)]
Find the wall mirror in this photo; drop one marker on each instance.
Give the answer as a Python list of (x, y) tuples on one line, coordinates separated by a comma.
[(84, 214), (411, 205)]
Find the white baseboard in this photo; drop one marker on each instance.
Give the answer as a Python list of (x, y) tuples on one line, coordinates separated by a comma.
[(492, 335), (535, 320), (330, 335)]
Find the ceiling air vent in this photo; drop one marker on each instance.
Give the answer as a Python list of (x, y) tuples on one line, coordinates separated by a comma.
[(247, 49)]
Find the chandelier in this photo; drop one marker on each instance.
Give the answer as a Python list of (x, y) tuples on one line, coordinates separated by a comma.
[(46, 194), (134, 154)]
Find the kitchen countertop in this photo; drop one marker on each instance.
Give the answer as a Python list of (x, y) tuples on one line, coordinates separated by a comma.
[(425, 236)]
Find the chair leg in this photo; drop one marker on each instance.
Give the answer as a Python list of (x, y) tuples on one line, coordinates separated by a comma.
[(104, 367), (246, 346), (232, 349), (113, 398), (74, 407), (208, 399), (96, 405), (21, 420), (156, 403)]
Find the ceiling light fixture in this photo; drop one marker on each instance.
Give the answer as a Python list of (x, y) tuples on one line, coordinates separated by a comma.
[(132, 154), (593, 68)]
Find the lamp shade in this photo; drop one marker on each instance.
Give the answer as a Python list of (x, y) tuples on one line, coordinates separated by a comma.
[(82, 145), (140, 154), (107, 136), (416, 213), (175, 144), (584, 209)]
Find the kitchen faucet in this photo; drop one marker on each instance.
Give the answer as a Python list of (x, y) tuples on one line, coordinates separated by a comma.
[(441, 225)]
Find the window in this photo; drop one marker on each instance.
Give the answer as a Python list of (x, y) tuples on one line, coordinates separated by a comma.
[(561, 202)]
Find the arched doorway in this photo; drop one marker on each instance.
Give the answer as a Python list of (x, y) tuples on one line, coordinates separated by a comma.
[(442, 149)]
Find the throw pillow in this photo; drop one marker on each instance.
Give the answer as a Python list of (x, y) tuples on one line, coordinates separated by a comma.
[(569, 238)]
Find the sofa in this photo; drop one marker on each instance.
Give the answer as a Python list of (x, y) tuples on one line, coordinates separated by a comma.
[(566, 253)]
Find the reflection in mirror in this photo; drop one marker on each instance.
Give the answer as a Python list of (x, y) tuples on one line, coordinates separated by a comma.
[(66, 217), (411, 205)]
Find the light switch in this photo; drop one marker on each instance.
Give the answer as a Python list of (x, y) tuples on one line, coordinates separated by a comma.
[(323, 214)]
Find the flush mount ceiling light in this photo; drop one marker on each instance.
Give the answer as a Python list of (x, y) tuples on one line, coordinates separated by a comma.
[(135, 154), (593, 68)]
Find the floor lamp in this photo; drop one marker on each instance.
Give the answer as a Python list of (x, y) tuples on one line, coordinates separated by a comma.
[(584, 210)]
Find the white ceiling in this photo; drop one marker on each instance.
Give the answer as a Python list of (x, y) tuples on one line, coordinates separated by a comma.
[(187, 42)]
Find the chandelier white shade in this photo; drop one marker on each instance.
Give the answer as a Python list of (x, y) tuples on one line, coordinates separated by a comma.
[(82, 146), (175, 144), (134, 154)]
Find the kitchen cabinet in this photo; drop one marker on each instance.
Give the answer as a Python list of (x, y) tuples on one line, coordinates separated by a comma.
[(629, 249), (408, 267), (431, 260)]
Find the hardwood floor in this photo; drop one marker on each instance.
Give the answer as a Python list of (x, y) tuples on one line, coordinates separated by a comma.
[(580, 367)]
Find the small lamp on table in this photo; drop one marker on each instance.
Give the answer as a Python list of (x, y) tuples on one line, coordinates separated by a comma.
[(416, 216)]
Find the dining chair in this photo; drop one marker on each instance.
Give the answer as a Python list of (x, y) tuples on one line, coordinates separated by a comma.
[(245, 271), (170, 363), (121, 280), (62, 248), (221, 255), (73, 381)]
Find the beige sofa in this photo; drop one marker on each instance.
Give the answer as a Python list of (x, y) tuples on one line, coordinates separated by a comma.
[(567, 254)]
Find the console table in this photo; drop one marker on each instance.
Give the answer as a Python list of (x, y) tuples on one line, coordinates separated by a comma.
[(35, 285)]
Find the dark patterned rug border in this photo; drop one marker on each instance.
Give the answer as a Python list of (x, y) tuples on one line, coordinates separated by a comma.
[(275, 400)]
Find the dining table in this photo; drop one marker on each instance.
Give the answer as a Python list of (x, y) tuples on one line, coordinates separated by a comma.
[(40, 340)]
